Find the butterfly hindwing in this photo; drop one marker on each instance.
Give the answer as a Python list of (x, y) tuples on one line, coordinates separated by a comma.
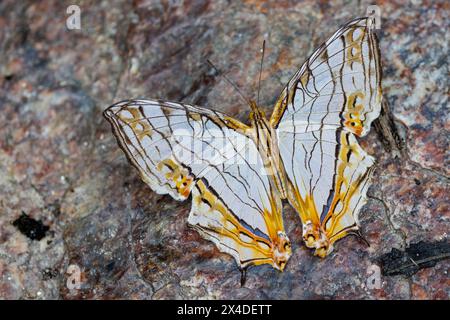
[(352, 176), (335, 95), (184, 150)]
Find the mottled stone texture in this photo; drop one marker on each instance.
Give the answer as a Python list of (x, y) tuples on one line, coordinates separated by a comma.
[(60, 164)]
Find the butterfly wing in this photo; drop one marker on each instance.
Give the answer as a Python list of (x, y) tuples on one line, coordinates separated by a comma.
[(334, 96), (185, 150)]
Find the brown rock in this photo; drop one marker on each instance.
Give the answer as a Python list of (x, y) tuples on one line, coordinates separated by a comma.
[(56, 151)]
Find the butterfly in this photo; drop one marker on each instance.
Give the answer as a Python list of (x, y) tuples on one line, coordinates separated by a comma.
[(238, 174)]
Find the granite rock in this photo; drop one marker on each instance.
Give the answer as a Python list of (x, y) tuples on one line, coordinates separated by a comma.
[(60, 164)]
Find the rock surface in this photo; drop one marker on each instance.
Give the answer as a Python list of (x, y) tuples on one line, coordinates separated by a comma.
[(60, 164)]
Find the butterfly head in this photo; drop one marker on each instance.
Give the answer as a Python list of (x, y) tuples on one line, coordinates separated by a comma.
[(282, 251)]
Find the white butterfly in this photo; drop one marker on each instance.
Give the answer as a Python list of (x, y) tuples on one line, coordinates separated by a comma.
[(238, 174)]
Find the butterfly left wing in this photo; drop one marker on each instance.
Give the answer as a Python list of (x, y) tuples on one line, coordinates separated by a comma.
[(185, 150), (334, 96)]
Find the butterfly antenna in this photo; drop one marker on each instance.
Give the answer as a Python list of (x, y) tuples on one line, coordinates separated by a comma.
[(260, 70), (229, 81)]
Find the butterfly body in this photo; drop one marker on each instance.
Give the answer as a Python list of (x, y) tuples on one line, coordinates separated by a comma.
[(265, 137), (237, 174)]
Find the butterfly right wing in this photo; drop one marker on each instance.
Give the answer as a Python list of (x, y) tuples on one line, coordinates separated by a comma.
[(181, 150)]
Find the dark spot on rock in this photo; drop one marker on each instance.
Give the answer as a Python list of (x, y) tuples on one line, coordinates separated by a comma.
[(49, 273), (33, 229), (9, 77), (417, 181), (110, 266)]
